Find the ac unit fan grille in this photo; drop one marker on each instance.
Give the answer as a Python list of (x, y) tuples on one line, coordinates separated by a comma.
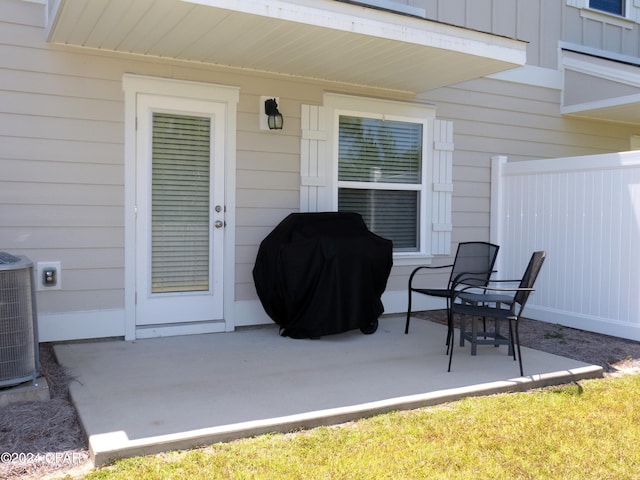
[(18, 356)]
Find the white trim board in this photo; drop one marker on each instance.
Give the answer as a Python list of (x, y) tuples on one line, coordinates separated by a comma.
[(250, 312), (230, 95), (531, 75), (111, 323), (57, 327)]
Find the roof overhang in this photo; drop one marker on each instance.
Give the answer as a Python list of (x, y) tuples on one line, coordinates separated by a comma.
[(319, 39), (599, 88)]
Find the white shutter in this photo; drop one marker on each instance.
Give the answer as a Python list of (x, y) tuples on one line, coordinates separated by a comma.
[(313, 158), (442, 187)]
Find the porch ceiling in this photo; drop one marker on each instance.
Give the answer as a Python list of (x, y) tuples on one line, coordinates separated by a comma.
[(321, 39), (618, 110)]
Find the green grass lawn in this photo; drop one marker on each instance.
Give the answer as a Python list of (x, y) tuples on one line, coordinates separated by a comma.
[(586, 431)]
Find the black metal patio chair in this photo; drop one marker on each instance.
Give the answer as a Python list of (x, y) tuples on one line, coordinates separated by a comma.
[(473, 261), (501, 303)]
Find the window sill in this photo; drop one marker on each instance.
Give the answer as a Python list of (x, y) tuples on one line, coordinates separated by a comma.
[(604, 17), (412, 260)]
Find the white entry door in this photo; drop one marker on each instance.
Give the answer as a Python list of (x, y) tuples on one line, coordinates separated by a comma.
[(180, 211)]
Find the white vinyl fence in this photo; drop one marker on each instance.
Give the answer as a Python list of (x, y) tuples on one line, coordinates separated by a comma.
[(585, 213)]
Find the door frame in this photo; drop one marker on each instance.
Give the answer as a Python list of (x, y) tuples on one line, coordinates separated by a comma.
[(229, 97), (180, 308)]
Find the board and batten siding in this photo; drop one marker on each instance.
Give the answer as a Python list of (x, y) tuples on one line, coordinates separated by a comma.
[(538, 22), (542, 23), (585, 213)]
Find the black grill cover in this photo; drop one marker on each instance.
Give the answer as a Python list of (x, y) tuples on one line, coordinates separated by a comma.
[(322, 273)]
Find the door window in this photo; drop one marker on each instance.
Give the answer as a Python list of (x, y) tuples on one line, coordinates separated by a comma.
[(180, 203)]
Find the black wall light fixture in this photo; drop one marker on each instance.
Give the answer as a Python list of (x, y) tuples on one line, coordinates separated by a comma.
[(274, 117)]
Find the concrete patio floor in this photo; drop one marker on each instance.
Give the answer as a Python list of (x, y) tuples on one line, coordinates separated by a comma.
[(148, 396)]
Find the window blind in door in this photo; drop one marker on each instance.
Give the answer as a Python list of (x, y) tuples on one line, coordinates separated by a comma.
[(180, 243)]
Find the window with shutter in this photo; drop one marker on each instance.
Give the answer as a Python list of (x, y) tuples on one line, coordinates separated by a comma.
[(390, 161)]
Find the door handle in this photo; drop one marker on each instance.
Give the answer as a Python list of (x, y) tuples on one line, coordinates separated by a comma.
[(218, 224)]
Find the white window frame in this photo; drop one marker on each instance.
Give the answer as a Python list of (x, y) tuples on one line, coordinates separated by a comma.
[(396, 6), (388, 110), (631, 13)]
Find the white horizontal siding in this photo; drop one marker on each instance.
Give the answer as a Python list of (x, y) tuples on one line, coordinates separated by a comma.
[(516, 119), (62, 128), (91, 299), (43, 171), (61, 180), (35, 238), (84, 258), (279, 199), (62, 159), (49, 106), (28, 147), (523, 122), (266, 181), (42, 82), (34, 193), (268, 171), (47, 215)]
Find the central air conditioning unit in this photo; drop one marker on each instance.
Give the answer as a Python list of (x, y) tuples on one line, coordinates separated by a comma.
[(19, 360)]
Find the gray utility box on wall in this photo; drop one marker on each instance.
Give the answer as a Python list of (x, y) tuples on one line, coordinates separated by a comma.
[(19, 360)]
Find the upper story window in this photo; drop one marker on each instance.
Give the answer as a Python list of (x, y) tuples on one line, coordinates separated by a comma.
[(616, 7), (393, 6), (619, 13)]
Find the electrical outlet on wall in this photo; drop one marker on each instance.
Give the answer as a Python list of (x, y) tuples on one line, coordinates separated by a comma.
[(48, 276)]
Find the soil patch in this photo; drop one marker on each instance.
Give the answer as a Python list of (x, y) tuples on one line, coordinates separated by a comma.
[(615, 355), (40, 439)]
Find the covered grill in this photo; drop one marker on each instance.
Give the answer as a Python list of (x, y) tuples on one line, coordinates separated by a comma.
[(323, 273)]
